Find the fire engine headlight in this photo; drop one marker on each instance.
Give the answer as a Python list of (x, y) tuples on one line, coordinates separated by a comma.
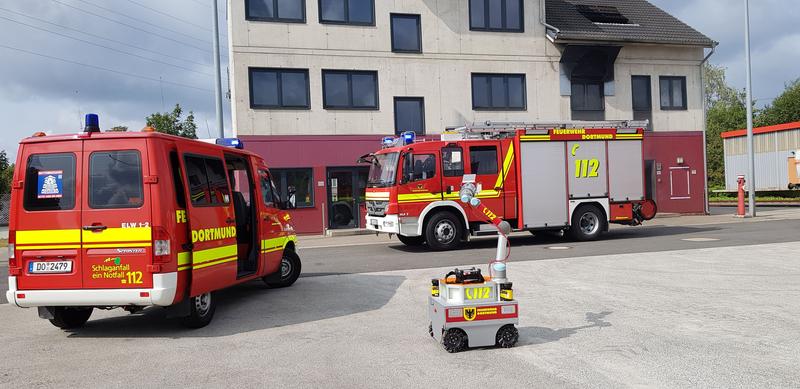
[(388, 223)]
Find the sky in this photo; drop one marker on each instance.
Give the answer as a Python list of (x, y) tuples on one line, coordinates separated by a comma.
[(125, 59)]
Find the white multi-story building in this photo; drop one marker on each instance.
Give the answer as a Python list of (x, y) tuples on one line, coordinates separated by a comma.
[(316, 83)]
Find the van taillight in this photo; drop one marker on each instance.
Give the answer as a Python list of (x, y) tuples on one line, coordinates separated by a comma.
[(161, 245), (13, 267)]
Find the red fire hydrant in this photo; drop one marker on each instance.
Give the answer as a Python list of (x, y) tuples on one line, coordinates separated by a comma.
[(740, 207)]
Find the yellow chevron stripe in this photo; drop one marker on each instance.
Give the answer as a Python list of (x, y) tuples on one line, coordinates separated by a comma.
[(506, 167)]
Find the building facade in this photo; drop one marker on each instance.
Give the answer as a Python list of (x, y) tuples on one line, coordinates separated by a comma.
[(317, 83), (776, 151)]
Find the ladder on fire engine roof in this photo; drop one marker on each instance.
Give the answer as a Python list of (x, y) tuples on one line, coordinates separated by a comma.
[(502, 129)]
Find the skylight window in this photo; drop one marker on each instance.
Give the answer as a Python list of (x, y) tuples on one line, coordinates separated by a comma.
[(602, 14)]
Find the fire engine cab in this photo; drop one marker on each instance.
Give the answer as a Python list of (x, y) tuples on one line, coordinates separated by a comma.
[(115, 219), (575, 177)]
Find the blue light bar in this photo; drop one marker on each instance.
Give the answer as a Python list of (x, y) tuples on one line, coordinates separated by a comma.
[(388, 141), (409, 137), (92, 123), (231, 142)]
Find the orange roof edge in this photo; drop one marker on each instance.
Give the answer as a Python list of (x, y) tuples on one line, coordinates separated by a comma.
[(762, 130)]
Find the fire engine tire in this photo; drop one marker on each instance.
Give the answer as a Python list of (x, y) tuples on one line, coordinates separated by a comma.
[(507, 336), (444, 232), (588, 222), (68, 318), (289, 271), (201, 311), (412, 241), (455, 340)]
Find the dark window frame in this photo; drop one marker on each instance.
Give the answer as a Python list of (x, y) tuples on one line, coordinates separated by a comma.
[(397, 131), (345, 22), (640, 112), (279, 77), (25, 201), (275, 19), (279, 175), (350, 106), (416, 17), (505, 76), (452, 172), (208, 182), (584, 83), (141, 181), (671, 106), (265, 177), (409, 177), (486, 13), (485, 148)]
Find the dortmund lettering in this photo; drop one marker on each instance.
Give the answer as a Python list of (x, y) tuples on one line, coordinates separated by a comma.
[(210, 234)]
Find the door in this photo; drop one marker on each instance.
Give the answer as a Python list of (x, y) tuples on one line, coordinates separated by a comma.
[(211, 219), (484, 160), (346, 191), (270, 231), (48, 222), (116, 221), (679, 183), (420, 182), (243, 199)]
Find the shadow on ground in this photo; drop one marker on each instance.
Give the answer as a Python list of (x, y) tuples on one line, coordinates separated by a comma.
[(253, 307), (540, 335)]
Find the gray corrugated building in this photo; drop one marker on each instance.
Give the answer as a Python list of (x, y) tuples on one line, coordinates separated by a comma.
[(773, 146)]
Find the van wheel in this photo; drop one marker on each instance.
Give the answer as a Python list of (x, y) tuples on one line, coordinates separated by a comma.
[(288, 272), (412, 241), (68, 318), (444, 232), (588, 222), (201, 310)]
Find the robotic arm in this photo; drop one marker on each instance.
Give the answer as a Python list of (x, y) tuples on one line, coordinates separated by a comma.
[(468, 195)]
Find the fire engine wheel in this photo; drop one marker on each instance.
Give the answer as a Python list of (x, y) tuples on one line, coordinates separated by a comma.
[(412, 241), (288, 272), (201, 311), (68, 318), (587, 223), (454, 340), (444, 232), (507, 336)]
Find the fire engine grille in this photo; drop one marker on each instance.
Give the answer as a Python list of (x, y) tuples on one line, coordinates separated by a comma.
[(377, 208)]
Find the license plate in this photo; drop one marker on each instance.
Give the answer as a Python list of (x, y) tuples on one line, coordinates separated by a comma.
[(50, 267), (374, 222)]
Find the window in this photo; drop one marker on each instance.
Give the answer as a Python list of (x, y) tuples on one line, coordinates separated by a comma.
[(409, 115), (50, 182), (500, 92), (360, 12), (496, 15), (587, 100), (350, 89), (483, 160), (295, 186), (279, 88), (208, 184), (642, 99), (406, 33), (288, 11), (673, 93), (267, 189), (177, 180), (602, 14), (452, 161), (419, 167), (115, 180)]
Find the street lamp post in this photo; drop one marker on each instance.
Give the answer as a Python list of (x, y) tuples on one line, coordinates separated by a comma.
[(217, 74), (749, 87)]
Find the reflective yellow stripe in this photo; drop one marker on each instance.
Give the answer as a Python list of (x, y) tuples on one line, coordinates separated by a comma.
[(276, 244), (136, 234), (116, 245), (48, 236), (219, 262), (377, 195), (184, 258), (534, 137), (629, 136), (216, 253), (506, 167), (50, 247), (414, 197)]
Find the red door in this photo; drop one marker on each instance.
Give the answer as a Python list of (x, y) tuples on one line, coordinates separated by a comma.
[(271, 232), (211, 219), (116, 222), (484, 159)]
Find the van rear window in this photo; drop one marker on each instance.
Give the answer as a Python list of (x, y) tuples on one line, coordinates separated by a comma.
[(115, 180), (50, 182)]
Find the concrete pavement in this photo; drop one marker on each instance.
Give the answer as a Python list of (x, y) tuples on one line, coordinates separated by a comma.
[(721, 317)]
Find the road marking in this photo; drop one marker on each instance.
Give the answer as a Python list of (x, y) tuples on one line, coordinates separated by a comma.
[(700, 239), (559, 248)]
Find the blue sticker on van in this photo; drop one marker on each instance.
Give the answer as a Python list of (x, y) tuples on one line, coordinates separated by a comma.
[(51, 184)]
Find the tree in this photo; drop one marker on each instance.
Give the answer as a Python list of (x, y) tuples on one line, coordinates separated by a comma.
[(784, 109), (6, 173), (119, 129), (171, 123), (726, 112)]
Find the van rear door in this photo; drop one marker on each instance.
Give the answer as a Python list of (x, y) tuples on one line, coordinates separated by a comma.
[(48, 224), (116, 221)]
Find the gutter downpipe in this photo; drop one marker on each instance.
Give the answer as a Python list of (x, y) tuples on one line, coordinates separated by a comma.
[(705, 126), (543, 21)]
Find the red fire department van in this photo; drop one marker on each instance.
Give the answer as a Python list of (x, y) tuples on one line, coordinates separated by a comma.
[(572, 177), (105, 220)]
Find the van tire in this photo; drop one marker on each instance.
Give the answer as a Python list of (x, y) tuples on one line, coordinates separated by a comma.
[(588, 222), (444, 231), (201, 310), (412, 241), (288, 272), (68, 318)]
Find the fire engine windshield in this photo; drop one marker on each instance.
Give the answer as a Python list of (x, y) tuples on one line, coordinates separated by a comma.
[(383, 171)]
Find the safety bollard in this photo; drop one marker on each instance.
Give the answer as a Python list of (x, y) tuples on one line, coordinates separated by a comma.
[(740, 207)]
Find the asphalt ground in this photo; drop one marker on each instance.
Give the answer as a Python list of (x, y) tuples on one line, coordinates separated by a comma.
[(715, 317)]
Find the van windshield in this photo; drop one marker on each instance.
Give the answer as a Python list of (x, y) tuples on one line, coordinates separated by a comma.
[(383, 171)]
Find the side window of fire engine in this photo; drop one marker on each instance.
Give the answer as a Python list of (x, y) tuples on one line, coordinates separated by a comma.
[(50, 182), (483, 160), (115, 180), (452, 162), (208, 184), (420, 167)]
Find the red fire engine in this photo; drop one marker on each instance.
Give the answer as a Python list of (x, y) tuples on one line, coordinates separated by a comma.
[(575, 177), (104, 220)]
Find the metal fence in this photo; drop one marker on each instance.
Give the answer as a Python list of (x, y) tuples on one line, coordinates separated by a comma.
[(5, 204)]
